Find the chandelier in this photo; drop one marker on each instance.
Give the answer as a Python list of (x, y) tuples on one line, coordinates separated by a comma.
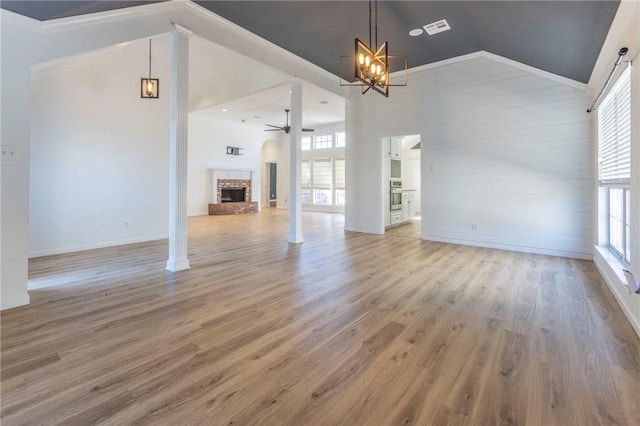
[(371, 68)]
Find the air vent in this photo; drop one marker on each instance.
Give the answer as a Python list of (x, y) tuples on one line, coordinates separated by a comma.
[(437, 27)]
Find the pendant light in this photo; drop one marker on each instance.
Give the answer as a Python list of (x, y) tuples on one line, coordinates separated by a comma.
[(371, 68), (149, 87)]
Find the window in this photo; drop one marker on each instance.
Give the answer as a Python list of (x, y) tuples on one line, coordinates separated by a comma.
[(306, 143), (340, 139), (305, 182), (614, 162), (340, 184), (322, 181), (323, 141)]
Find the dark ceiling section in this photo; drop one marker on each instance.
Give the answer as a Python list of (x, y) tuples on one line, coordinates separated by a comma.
[(53, 9), (561, 37)]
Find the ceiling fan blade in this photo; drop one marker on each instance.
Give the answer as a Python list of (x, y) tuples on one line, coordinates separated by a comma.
[(308, 130), (271, 125), (272, 130)]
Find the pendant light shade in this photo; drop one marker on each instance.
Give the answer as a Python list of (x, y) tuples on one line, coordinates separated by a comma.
[(149, 87)]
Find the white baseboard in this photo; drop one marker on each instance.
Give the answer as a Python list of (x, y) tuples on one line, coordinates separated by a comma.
[(522, 249), (363, 230), (82, 247)]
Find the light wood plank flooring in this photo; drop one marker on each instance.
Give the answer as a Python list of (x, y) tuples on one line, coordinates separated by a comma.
[(346, 328)]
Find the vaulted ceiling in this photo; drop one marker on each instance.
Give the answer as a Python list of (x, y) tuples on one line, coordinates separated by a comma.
[(561, 37)]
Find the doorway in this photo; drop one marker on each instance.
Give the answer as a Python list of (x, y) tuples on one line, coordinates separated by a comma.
[(402, 185), (272, 179)]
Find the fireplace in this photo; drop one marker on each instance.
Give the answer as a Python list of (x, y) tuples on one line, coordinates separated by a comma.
[(233, 195)]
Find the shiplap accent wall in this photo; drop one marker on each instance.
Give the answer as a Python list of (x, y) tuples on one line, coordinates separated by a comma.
[(502, 148)]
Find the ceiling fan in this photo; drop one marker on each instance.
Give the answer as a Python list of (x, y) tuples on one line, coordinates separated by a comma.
[(286, 128)]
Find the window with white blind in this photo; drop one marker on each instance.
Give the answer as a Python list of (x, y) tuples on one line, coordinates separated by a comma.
[(614, 162), (339, 180), (305, 182), (322, 176), (614, 133), (306, 143)]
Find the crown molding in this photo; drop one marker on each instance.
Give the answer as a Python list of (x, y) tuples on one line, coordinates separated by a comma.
[(501, 59)]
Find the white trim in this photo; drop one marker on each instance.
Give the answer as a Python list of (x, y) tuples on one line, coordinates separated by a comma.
[(497, 58), (83, 247), (614, 279), (116, 14), (509, 247)]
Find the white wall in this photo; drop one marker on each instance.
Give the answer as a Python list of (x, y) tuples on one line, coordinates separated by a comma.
[(15, 124), (208, 141), (512, 152), (625, 32), (99, 155)]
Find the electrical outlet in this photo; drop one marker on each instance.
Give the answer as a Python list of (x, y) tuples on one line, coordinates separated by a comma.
[(474, 226), (126, 224), (9, 153), (434, 167)]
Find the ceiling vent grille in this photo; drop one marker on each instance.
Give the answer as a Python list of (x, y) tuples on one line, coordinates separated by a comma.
[(437, 27)]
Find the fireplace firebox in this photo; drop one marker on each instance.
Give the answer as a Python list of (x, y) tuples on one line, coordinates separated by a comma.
[(233, 195)]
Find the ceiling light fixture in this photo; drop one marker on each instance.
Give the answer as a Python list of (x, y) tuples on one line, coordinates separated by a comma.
[(149, 87), (371, 68), (416, 32)]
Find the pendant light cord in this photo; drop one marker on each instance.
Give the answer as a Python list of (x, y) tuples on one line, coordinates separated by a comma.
[(376, 27), (149, 59), (370, 23), (376, 45)]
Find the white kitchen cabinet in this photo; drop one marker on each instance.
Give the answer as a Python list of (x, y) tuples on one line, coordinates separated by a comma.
[(386, 147), (396, 217), (392, 147), (395, 148), (408, 207)]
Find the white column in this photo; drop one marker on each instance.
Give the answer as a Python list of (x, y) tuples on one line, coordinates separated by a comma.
[(295, 202), (179, 98)]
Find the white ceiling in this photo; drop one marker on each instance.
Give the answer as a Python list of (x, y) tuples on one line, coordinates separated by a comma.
[(220, 78)]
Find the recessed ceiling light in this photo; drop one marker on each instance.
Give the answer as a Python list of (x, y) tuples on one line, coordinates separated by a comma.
[(256, 116), (324, 102), (224, 110), (416, 32)]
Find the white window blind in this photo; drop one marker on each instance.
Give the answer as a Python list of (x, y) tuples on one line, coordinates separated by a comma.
[(614, 133), (322, 173), (305, 179), (339, 170)]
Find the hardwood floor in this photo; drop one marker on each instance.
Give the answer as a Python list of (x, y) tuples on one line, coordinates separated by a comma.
[(346, 328)]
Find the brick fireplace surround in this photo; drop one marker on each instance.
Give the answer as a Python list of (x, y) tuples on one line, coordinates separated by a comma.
[(220, 208)]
